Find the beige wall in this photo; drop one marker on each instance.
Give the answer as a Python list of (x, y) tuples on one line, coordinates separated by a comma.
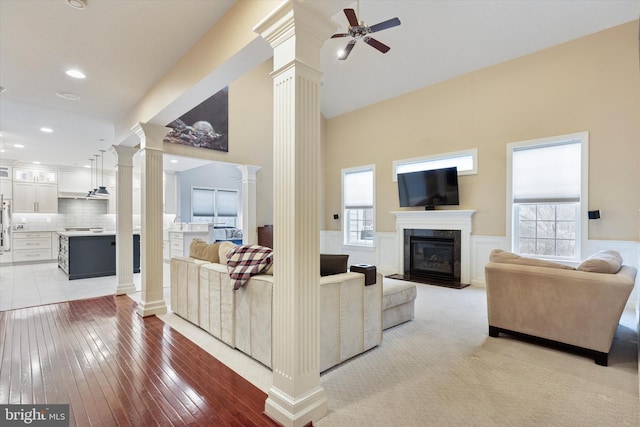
[(251, 132), (590, 84)]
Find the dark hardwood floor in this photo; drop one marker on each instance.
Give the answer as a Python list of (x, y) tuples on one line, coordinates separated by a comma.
[(116, 368)]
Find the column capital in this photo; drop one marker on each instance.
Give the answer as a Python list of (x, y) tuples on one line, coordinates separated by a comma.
[(150, 135), (296, 30), (124, 154), (248, 172)]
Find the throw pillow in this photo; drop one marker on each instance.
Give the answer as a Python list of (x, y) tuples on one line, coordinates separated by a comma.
[(498, 255), (200, 249), (333, 264), (602, 262), (224, 248)]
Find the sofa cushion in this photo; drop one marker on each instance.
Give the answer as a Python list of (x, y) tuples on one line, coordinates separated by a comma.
[(498, 255), (224, 249), (333, 264), (602, 262), (199, 249)]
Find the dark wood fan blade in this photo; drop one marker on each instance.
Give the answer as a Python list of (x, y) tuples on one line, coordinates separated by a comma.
[(351, 17), (347, 50), (337, 35), (394, 22), (377, 44)]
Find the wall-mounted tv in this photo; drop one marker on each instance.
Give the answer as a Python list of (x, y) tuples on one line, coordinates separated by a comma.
[(429, 188)]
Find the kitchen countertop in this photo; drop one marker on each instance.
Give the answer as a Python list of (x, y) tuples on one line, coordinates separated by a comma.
[(91, 233), (22, 230)]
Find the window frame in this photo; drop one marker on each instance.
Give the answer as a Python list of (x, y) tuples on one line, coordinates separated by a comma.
[(345, 229), (582, 226), (215, 216), (472, 152)]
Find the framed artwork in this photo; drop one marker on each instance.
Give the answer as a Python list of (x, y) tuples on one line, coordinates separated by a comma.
[(204, 126)]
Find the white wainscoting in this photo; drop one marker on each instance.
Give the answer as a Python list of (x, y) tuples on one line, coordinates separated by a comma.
[(385, 257)]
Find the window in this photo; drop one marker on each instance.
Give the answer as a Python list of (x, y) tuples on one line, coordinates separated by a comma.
[(357, 196), (548, 196), (215, 206), (466, 162)]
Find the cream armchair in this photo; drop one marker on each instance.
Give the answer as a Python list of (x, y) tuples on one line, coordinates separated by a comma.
[(577, 307)]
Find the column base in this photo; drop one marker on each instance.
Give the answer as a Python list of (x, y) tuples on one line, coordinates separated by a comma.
[(125, 288), (299, 412), (152, 308)]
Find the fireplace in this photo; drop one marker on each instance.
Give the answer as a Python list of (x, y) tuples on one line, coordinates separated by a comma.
[(432, 258), (440, 227)]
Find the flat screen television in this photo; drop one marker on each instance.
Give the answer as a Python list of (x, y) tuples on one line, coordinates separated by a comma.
[(429, 188)]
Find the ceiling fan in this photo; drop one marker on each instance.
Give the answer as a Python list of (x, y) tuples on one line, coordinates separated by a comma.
[(359, 30)]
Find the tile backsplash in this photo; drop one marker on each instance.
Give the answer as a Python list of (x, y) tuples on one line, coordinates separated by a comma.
[(76, 213), (71, 213)]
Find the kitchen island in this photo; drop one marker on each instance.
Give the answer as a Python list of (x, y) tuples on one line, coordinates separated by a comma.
[(84, 254)]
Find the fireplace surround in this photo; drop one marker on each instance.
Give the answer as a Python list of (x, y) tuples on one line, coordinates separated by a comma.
[(440, 225)]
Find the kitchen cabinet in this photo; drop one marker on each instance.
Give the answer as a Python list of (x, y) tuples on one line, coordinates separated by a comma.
[(166, 246), (46, 176), (75, 182), (6, 189), (6, 182), (180, 241), (35, 190), (35, 197), (82, 255), (32, 246)]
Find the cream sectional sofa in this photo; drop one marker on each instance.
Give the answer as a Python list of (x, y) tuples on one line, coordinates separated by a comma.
[(579, 307), (350, 312)]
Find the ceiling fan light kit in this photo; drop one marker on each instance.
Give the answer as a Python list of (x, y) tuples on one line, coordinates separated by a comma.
[(358, 30)]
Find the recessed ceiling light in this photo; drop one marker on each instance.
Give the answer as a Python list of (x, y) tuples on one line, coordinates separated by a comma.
[(88, 166), (35, 162), (76, 74), (18, 145), (77, 4), (46, 130), (68, 96), (173, 161)]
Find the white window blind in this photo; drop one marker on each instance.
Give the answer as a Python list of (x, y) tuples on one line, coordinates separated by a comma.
[(203, 202), (227, 202), (547, 173), (358, 189)]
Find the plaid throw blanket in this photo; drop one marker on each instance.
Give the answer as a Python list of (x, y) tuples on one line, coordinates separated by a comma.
[(245, 261)]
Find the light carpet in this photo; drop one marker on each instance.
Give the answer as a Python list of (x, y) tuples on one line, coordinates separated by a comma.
[(442, 369)]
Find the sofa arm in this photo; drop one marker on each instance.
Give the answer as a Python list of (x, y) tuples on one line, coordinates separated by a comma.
[(185, 293), (350, 317), (574, 307)]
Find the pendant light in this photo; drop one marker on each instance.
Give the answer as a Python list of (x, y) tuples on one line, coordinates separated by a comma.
[(102, 191), (94, 193), (91, 190)]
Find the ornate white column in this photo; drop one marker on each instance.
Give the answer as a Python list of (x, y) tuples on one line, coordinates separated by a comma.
[(296, 34), (152, 301), (124, 218), (249, 222)]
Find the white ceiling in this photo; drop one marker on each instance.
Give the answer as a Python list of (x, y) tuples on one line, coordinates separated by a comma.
[(126, 46)]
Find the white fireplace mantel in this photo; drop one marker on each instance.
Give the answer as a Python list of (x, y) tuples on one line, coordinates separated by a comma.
[(437, 220)]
